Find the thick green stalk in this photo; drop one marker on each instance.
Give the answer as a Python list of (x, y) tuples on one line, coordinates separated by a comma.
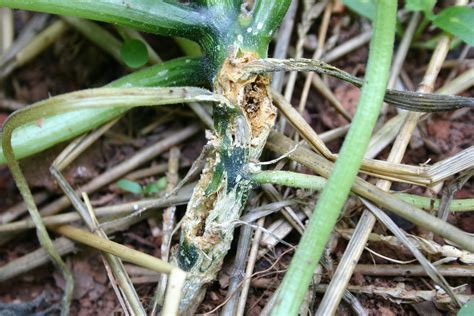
[(236, 33), (35, 137), (153, 16), (267, 16), (239, 137), (241, 131), (254, 31), (306, 181), (296, 281)]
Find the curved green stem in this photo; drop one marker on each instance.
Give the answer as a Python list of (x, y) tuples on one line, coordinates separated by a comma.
[(41, 231), (296, 281), (256, 29), (35, 137), (234, 32), (153, 16), (267, 17), (97, 35), (306, 181)]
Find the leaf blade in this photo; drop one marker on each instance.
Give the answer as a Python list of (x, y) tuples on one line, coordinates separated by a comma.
[(365, 8), (425, 6), (134, 53), (129, 186), (458, 21)]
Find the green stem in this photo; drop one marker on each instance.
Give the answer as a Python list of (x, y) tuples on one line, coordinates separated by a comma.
[(258, 29), (98, 35), (421, 27), (35, 137), (154, 16), (296, 281), (456, 205), (290, 179), (281, 144), (41, 231), (306, 181), (242, 32)]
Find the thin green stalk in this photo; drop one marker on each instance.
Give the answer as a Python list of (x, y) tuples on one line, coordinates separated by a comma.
[(281, 144), (296, 281), (306, 181), (35, 137), (41, 232), (160, 17), (290, 179), (97, 35), (457, 205)]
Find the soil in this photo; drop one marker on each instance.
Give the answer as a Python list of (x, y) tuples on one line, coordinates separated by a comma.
[(72, 63)]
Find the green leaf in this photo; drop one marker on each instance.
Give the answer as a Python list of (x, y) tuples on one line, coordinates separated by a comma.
[(134, 53), (151, 16), (30, 138), (426, 6), (365, 8), (458, 21), (156, 186), (467, 310), (130, 186)]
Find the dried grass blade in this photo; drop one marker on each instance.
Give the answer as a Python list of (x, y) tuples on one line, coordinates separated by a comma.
[(431, 270)]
